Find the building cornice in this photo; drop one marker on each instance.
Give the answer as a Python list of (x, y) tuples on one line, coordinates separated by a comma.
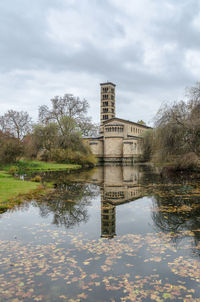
[(125, 121)]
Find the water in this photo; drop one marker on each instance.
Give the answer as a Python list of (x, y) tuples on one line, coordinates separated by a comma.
[(109, 234)]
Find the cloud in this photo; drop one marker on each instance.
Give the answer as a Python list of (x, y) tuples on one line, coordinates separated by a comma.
[(149, 49)]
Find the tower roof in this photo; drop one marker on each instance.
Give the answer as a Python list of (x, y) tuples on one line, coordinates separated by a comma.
[(107, 83)]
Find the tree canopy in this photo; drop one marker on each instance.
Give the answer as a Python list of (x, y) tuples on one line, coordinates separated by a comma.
[(176, 135), (18, 123), (71, 107)]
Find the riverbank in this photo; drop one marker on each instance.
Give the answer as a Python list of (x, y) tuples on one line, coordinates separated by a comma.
[(14, 191), (25, 166)]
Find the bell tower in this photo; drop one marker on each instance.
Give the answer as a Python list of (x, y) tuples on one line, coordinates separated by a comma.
[(107, 101), (108, 220)]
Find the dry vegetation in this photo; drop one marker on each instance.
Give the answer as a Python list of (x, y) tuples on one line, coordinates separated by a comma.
[(175, 139), (56, 137)]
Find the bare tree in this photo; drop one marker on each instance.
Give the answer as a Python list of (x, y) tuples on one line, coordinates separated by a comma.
[(69, 106), (176, 136), (181, 126), (193, 93), (18, 123), (87, 128)]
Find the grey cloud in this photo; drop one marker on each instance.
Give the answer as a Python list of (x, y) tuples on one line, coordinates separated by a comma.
[(25, 45), (179, 28)]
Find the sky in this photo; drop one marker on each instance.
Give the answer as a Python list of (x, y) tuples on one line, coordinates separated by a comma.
[(150, 49)]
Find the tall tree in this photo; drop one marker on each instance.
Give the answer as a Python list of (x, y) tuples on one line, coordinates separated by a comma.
[(45, 137), (18, 123), (68, 106)]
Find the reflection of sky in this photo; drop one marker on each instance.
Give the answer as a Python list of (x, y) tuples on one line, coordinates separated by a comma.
[(134, 217), (24, 219), (140, 249)]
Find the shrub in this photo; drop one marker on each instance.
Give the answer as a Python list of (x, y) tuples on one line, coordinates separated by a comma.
[(10, 148), (37, 178), (187, 161), (13, 170), (69, 156), (147, 145)]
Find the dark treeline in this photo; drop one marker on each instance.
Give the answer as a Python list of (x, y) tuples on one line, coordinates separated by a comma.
[(57, 136), (175, 139)]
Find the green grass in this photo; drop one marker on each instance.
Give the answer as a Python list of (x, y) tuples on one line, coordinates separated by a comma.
[(13, 190), (11, 187), (45, 166), (39, 166)]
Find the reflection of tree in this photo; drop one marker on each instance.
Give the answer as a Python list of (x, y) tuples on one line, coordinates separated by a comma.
[(68, 204), (176, 209), (63, 177)]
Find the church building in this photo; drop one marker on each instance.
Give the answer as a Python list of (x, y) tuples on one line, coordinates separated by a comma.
[(119, 139)]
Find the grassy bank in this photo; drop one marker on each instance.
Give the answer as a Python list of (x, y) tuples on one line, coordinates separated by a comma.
[(13, 190), (24, 166)]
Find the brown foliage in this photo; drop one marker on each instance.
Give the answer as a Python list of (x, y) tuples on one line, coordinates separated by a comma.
[(10, 148), (176, 136)]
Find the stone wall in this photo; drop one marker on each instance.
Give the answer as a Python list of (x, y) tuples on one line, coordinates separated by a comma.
[(96, 146), (131, 147), (113, 147)]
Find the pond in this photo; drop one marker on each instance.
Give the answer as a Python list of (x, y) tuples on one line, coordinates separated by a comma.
[(113, 233)]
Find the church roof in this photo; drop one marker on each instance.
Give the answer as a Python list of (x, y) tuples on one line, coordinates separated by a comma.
[(108, 83), (125, 121)]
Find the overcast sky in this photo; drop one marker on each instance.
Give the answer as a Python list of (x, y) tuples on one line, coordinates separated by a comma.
[(150, 49)]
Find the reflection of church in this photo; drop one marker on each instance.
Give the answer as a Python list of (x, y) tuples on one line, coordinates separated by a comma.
[(119, 184)]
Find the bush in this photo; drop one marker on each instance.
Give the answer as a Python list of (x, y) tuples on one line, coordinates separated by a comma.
[(13, 170), (44, 155), (147, 145), (187, 161), (30, 147), (37, 178), (70, 156), (10, 149)]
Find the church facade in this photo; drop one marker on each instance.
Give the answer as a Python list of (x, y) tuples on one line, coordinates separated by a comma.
[(119, 139)]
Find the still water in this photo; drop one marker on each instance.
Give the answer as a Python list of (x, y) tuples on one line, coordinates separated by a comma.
[(114, 233)]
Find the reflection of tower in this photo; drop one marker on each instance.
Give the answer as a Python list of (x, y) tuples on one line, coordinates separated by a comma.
[(108, 216)]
